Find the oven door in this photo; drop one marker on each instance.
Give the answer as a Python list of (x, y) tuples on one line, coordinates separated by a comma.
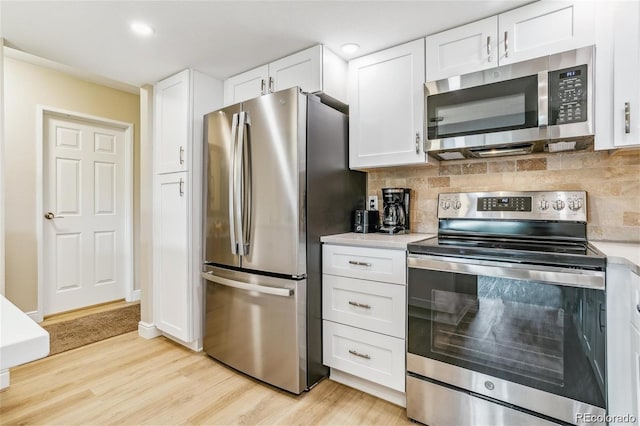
[(530, 336)]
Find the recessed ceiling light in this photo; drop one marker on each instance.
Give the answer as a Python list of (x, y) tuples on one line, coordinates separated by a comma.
[(350, 48), (141, 28)]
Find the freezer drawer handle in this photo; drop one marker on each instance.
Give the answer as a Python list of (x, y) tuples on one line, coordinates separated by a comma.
[(365, 356), (360, 305), (355, 262), (274, 291)]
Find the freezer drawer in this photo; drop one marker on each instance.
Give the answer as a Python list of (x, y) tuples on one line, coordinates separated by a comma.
[(256, 324)]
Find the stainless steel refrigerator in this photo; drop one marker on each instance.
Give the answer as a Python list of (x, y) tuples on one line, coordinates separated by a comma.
[(277, 178)]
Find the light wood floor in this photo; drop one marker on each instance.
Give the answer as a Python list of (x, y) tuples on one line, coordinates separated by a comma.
[(128, 380)]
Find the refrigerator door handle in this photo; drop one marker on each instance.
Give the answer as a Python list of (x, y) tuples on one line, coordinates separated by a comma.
[(274, 291), (247, 185), (232, 180), (238, 192)]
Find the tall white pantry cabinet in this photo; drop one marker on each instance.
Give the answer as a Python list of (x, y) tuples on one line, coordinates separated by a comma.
[(180, 103)]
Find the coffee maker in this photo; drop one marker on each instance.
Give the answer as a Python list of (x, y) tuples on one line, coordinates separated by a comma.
[(395, 213)]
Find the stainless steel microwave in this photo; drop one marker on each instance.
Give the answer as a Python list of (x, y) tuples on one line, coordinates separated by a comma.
[(543, 104)]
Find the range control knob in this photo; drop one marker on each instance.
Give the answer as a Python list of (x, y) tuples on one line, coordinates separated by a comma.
[(544, 204), (558, 205), (445, 205), (457, 204), (575, 204)]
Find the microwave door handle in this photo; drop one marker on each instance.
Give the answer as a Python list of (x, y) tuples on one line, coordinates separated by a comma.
[(247, 184), (232, 180), (543, 99)]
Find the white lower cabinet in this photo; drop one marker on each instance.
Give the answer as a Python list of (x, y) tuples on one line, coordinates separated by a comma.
[(635, 372), (172, 289), (369, 355), (364, 318)]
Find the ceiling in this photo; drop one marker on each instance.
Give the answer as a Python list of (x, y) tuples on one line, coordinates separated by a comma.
[(219, 38)]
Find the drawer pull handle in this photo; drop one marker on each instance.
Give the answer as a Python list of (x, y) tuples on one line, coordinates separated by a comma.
[(365, 356), (360, 305), (355, 262), (638, 308)]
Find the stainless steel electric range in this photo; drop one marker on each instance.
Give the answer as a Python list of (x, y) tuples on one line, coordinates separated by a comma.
[(506, 311)]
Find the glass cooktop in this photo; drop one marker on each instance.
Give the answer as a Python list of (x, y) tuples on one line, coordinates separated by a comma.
[(561, 254)]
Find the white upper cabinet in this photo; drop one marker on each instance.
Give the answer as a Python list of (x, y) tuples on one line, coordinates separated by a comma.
[(544, 28), (172, 109), (247, 85), (316, 69), (626, 74), (617, 70), (462, 50), (538, 29), (386, 106)]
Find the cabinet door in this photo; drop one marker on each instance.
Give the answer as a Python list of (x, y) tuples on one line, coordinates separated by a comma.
[(303, 69), (171, 123), (171, 289), (247, 85), (635, 368), (462, 50), (544, 28), (626, 69), (386, 103)]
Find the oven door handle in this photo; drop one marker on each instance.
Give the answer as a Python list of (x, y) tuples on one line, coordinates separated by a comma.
[(546, 274)]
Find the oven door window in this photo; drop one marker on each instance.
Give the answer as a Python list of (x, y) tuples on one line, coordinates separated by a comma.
[(545, 336), (495, 107)]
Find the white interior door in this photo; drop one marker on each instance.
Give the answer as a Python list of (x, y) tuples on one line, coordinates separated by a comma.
[(84, 215)]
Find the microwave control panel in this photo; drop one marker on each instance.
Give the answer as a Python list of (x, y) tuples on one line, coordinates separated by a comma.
[(568, 95)]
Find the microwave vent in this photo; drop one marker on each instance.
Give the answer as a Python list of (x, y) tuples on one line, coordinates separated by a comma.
[(561, 146), (452, 155), (503, 151)]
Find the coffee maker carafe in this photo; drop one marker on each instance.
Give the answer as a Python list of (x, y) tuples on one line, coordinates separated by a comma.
[(395, 213)]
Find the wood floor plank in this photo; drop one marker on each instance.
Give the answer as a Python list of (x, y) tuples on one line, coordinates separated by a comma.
[(134, 381)]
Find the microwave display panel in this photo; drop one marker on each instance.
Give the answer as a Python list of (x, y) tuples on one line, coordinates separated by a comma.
[(507, 105), (568, 95)]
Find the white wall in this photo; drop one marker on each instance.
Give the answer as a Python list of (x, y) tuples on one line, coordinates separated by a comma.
[(1, 166)]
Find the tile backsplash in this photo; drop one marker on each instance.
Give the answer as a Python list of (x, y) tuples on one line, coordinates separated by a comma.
[(611, 180)]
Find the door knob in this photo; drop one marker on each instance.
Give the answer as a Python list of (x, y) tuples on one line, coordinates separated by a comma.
[(50, 215)]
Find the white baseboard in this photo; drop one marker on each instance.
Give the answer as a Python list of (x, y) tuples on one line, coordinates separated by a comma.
[(148, 331), (195, 346), (4, 379), (382, 392), (36, 316), (135, 296)]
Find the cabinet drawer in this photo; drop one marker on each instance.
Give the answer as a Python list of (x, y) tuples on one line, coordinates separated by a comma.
[(365, 354), (635, 299), (366, 263), (370, 305)]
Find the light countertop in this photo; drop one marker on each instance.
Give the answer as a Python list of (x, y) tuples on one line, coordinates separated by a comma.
[(21, 339), (622, 253), (398, 242)]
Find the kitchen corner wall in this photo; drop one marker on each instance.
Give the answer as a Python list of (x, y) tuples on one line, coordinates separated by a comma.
[(611, 180), (26, 86)]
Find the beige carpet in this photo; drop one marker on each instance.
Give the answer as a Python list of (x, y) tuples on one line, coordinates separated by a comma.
[(82, 331)]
